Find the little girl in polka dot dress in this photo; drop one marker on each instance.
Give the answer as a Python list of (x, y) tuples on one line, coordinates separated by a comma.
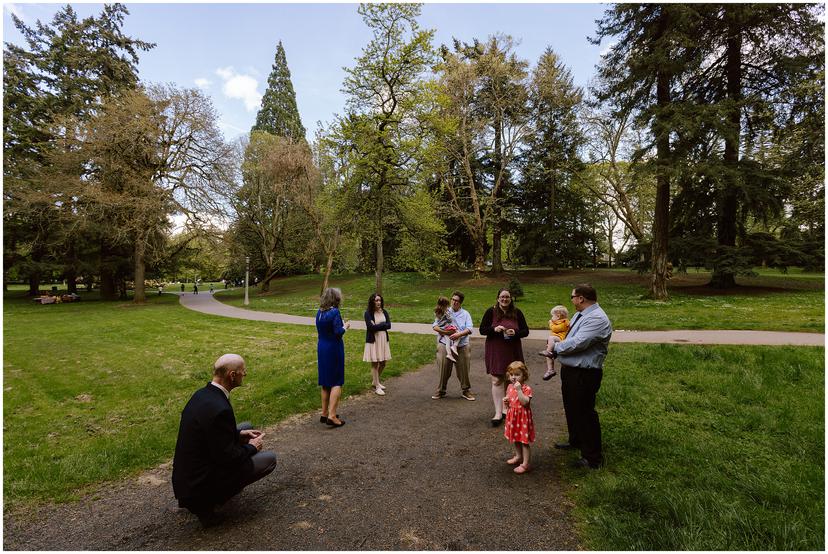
[(520, 428)]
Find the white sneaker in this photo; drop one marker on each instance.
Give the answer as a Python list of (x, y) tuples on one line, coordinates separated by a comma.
[(454, 350), (382, 386), (450, 356), (379, 391)]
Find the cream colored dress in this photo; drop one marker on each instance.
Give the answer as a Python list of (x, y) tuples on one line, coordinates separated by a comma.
[(379, 350)]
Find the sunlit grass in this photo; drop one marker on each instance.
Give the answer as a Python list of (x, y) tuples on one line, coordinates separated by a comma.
[(93, 390), (772, 303), (708, 448)]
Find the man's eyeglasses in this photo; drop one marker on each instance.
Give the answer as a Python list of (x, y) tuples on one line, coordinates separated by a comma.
[(574, 296)]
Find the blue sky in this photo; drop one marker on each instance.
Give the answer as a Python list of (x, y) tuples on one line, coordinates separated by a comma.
[(228, 49)]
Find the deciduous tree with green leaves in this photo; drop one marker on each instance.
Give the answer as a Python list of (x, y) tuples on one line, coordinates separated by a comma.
[(383, 125)]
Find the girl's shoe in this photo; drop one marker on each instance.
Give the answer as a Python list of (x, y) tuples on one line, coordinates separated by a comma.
[(522, 468), (382, 386), (514, 460), (379, 391), (549, 374)]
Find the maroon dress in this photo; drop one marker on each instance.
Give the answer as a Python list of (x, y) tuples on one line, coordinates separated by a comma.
[(502, 351)]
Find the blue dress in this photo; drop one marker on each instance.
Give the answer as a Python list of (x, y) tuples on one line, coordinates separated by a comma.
[(330, 350)]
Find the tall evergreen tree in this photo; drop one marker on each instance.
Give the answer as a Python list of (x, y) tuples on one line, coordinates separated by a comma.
[(656, 46), (755, 56), (549, 209), (279, 115), (66, 69)]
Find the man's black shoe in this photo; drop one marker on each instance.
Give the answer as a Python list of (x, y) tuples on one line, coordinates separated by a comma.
[(564, 446), (584, 463), (209, 518)]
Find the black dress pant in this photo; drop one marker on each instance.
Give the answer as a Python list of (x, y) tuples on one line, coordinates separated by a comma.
[(579, 387)]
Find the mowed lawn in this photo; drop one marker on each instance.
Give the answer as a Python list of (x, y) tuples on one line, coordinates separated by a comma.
[(771, 301), (93, 391), (707, 447)]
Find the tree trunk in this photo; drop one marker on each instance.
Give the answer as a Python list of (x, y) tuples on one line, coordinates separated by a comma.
[(551, 221), (661, 222), (71, 273), (479, 256), (497, 248), (34, 276), (108, 288), (328, 268), (728, 208), (380, 261), (497, 212), (34, 284), (140, 296), (122, 288)]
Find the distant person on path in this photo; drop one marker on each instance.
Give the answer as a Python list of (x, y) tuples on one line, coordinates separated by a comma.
[(211, 288), (582, 356), (504, 326), (214, 459), (558, 327), (330, 354), (195, 288), (160, 290), (463, 321), (377, 347), (520, 426), (446, 325), (182, 287)]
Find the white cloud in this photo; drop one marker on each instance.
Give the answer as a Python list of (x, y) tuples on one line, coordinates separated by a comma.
[(203, 83), (240, 87), (15, 9)]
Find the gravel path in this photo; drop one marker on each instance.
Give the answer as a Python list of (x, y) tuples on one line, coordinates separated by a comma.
[(205, 303), (405, 473)]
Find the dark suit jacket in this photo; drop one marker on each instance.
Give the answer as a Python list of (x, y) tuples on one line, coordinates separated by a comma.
[(210, 464), (371, 327)]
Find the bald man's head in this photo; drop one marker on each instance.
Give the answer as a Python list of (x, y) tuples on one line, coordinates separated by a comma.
[(227, 363)]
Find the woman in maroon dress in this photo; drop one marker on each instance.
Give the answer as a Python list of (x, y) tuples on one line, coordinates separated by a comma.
[(504, 326)]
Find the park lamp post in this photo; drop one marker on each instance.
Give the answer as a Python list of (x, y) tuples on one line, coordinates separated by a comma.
[(246, 279)]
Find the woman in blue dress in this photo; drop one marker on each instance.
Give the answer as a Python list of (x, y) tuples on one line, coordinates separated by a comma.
[(330, 354)]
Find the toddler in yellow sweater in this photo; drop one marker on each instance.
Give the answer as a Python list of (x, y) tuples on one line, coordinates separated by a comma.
[(558, 328)]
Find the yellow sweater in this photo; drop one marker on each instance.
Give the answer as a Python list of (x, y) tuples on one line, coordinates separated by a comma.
[(559, 328)]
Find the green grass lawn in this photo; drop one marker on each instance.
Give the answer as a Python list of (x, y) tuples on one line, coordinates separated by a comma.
[(93, 391), (767, 302), (708, 448)]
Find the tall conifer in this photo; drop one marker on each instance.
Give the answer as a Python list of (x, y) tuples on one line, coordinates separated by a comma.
[(279, 115)]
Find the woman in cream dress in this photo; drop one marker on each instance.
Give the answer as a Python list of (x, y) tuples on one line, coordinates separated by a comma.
[(377, 350)]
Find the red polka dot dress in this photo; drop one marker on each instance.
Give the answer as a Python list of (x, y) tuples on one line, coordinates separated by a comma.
[(520, 426)]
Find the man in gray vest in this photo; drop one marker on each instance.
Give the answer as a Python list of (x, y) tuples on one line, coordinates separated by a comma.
[(582, 356)]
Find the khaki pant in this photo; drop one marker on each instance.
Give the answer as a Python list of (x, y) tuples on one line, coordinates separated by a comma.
[(445, 365)]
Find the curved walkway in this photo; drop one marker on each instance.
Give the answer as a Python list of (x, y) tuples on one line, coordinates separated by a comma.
[(205, 303)]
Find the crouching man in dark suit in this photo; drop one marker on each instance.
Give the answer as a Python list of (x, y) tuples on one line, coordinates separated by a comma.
[(215, 459)]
